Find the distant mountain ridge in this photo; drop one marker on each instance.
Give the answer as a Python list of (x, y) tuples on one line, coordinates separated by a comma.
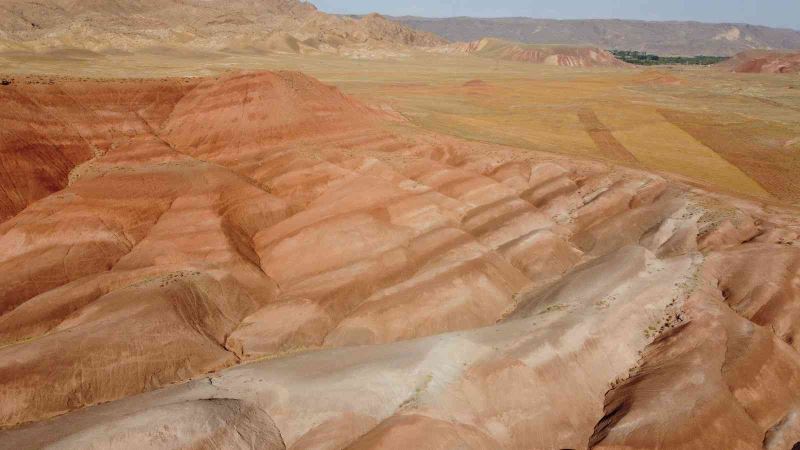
[(662, 38)]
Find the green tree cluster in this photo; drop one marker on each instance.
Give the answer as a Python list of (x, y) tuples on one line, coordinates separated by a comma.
[(647, 59)]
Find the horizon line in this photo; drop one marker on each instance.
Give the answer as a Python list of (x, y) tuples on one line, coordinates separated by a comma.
[(774, 27)]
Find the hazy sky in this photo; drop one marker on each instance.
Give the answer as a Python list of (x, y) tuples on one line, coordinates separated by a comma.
[(780, 13)]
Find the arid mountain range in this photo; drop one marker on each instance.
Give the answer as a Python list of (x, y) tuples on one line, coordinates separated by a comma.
[(663, 38), (554, 55), (272, 25), (761, 61)]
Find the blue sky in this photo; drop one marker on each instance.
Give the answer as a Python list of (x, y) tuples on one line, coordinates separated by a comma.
[(780, 13)]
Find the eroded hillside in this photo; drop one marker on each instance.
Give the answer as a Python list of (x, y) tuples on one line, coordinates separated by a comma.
[(272, 264), (554, 55), (282, 26), (659, 37), (764, 62)]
